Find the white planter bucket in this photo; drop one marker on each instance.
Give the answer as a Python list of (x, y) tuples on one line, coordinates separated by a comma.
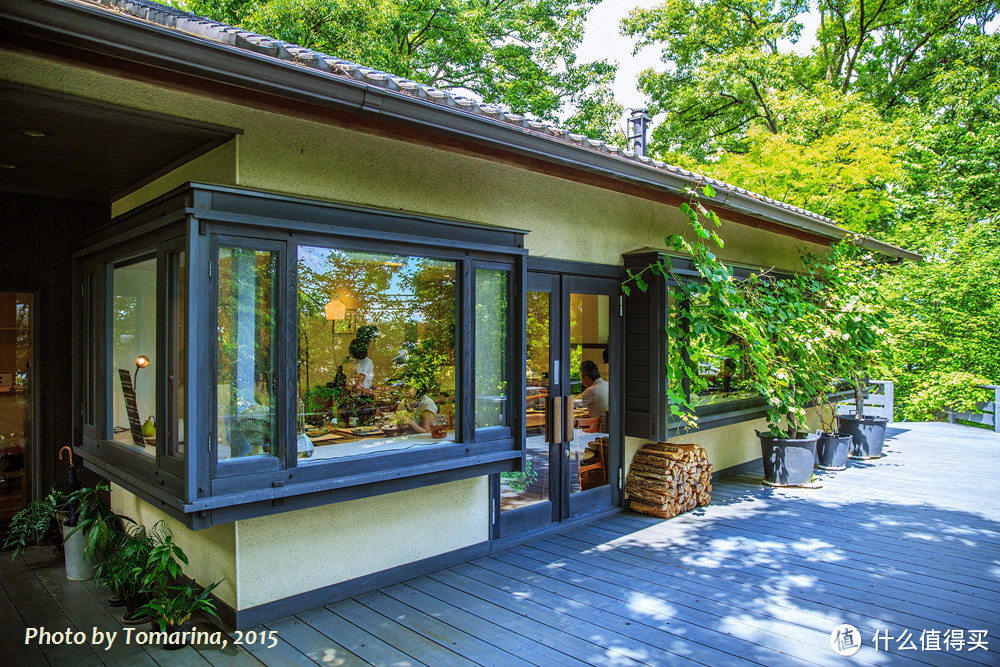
[(78, 566)]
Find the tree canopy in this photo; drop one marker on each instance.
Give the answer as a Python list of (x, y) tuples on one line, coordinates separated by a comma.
[(520, 54)]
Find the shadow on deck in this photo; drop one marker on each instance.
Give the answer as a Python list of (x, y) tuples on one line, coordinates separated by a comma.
[(907, 546)]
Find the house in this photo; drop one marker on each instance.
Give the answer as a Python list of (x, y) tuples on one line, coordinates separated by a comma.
[(250, 260)]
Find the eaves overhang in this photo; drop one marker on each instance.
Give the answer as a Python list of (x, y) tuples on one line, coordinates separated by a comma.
[(254, 65)]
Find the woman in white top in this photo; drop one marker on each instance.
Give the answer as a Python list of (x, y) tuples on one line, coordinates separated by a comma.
[(424, 410)]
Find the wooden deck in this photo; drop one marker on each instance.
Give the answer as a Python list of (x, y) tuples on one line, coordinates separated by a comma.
[(908, 543)]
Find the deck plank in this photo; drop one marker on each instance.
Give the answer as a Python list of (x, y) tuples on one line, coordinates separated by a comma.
[(38, 609), (468, 646), (13, 650), (356, 640), (311, 645), (485, 629)]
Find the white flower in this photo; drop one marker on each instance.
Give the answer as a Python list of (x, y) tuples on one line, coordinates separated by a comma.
[(846, 336)]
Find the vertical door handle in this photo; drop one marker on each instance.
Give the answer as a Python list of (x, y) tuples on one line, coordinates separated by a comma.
[(568, 418), (554, 419)]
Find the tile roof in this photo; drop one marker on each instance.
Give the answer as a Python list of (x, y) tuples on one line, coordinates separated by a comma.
[(261, 44)]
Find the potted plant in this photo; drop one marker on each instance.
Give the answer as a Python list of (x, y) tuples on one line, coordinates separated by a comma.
[(394, 422), (172, 601), (832, 447), (124, 570), (84, 520)]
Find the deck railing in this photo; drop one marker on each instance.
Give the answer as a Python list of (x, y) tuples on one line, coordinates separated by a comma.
[(987, 410), (878, 402)]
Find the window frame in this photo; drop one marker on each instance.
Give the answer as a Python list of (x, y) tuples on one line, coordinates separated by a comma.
[(198, 219)]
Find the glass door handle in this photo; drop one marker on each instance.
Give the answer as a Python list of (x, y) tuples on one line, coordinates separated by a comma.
[(566, 453), (568, 418), (554, 420)]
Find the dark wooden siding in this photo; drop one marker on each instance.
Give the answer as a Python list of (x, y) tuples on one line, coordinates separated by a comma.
[(645, 353), (37, 240)]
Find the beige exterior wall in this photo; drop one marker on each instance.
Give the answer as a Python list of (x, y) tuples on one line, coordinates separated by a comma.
[(273, 557), (294, 552), (566, 220)]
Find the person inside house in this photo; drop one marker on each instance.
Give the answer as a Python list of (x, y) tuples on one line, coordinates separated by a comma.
[(364, 368), (424, 410), (595, 394)]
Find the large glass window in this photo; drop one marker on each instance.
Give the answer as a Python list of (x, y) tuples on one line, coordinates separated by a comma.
[(246, 357), (491, 347), (133, 362), (376, 352), (722, 378)]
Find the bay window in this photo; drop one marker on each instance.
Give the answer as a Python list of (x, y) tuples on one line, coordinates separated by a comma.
[(264, 353)]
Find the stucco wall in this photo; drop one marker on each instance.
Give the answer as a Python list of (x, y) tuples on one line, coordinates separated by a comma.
[(566, 220), (269, 558), (211, 552), (290, 553)]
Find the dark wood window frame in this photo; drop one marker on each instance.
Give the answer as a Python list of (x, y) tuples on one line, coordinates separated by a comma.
[(199, 489)]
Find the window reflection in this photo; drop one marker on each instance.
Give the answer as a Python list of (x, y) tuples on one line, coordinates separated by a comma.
[(491, 347), (246, 357), (376, 352)]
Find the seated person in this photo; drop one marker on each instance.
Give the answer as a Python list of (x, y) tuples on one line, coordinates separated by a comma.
[(364, 369), (595, 393), (424, 410)]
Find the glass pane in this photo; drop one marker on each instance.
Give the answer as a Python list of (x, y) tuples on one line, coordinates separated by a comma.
[(133, 355), (16, 403), (590, 378), (176, 350), (491, 347), (520, 489), (376, 352), (246, 357)]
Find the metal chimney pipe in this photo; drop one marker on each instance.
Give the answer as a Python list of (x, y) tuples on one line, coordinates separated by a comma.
[(638, 124)]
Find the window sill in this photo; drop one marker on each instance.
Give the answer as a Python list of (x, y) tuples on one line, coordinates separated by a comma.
[(743, 410), (287, 490)]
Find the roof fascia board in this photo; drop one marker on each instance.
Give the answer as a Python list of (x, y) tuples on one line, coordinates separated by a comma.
[(86, 27)]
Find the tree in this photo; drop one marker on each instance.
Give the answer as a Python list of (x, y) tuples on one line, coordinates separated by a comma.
[(516, 53)]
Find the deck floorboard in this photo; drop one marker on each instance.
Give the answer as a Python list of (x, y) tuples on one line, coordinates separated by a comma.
[(904, 545)]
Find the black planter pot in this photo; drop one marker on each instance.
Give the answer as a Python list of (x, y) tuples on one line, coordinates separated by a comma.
[(171, 629), (832, 450), (788, 462), (867, 434)]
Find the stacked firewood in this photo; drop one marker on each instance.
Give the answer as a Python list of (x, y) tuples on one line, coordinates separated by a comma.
[(667, 479)]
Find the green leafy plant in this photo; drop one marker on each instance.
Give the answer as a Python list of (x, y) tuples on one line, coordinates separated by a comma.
[(35, 518), (172, 602), (174, 605), (519, 480), (419, 366), (946, 390)]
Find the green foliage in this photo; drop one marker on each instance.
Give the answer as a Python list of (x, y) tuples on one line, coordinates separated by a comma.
[(945, 390), (517, 54), (519, 480), (35, 518), (420, 366), (174, 605)]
